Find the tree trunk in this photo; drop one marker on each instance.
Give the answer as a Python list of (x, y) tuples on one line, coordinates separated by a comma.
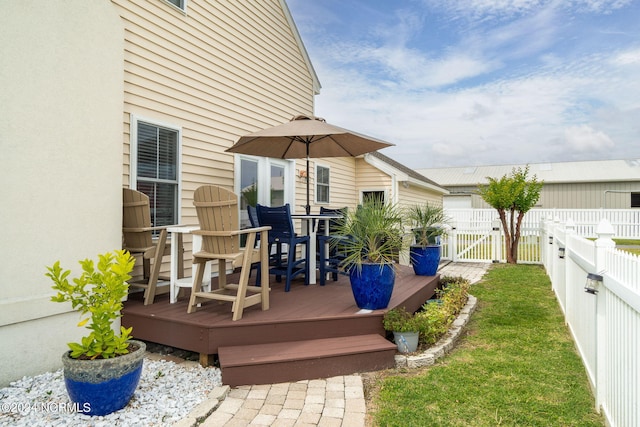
[(516, 238), (507, 235)]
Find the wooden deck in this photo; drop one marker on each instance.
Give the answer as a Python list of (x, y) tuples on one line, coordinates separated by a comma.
[(301, 316)]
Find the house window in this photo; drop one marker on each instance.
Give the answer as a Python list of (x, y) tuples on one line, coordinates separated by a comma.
[(635, 200), (373, 195), (322, 184), (155, 168), (180, 4)]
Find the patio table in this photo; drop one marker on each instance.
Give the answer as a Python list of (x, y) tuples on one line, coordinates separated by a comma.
[(310, 227), (177, 279)]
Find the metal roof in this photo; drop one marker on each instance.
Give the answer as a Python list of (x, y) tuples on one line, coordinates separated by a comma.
[(416, 175), (562, 172)]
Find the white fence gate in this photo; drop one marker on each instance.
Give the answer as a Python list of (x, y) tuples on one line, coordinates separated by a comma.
[(477, 236)]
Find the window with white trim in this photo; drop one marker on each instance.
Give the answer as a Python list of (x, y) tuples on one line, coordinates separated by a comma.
[(155, 168), (635, 200), (371, 195), (180, 4), (322, 184)]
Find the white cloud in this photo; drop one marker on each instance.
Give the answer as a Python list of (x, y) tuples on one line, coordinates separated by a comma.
[(630, 57), (585, 138), (516, 120), (487, 9), (601, 6), (474, 102)]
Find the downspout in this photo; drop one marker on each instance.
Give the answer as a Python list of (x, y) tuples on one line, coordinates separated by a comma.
[(394, 186)]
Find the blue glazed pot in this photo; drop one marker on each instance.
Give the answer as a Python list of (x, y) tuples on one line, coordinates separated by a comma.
[(103, 386), (372, 285), (425, 259)]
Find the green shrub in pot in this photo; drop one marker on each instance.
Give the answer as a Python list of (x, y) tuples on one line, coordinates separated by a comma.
[(398, 319), (98, 292), (102, 371)]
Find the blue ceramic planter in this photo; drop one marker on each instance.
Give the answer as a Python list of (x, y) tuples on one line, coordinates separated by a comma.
[(372, 285), (99, 387), (425, 259)]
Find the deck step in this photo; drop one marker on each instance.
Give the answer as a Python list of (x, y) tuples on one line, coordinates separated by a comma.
[(308, 359)]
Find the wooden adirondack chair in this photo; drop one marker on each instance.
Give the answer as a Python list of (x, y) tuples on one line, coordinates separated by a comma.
[(138, 239), (218, 213)]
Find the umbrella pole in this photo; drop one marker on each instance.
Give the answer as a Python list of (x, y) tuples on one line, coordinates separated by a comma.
[(307, 208)]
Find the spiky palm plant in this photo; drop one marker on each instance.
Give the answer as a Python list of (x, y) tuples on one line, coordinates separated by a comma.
[(428, 221), (372, 233)]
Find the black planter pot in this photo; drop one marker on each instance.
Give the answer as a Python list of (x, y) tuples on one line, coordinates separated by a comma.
[(425, 259), (372, 285), (102, 386)]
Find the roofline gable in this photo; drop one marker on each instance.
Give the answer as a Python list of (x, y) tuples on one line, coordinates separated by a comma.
[(401, 172), (305, 55)]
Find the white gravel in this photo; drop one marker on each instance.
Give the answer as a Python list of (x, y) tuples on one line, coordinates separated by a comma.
[(167, 393)]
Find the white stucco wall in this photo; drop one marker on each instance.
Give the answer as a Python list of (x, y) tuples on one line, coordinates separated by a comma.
[(61, 108)]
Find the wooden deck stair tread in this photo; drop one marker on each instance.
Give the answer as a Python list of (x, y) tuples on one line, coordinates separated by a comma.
[(295, 360), (296, 350), (312, 313)]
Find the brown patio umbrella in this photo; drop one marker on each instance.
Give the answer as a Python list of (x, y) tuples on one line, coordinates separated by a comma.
[(306, 137)]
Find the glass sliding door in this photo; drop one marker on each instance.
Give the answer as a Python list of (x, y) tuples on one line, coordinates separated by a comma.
[(249, 180), (278, 183), (262, 180)]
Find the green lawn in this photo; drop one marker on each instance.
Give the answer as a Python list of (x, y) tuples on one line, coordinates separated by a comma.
[(629, 242), (515, 366)]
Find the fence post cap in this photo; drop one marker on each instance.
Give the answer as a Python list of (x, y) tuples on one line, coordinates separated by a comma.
[(605, 228)]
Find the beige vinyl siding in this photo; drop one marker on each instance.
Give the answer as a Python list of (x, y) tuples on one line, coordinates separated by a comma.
[(369, 178), (342, 191), (417, 195), (223, 70), (343, 177)]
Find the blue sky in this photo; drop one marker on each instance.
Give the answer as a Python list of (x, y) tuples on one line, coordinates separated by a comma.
[(480, 82)]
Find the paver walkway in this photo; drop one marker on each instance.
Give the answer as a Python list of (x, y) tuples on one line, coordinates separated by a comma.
[(337, 401)]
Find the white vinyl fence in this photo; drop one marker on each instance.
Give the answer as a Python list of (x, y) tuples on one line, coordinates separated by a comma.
[(476, 234), (604, 325), (571, 244)]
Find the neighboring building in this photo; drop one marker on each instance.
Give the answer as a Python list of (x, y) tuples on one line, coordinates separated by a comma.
[(146, 94), (610, 184)]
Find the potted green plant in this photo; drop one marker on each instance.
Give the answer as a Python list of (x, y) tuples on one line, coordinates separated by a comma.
[(102, 371), (428, 223), (371, 238), (405, 328)]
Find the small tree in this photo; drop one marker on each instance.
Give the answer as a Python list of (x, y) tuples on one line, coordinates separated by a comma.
[(515, 194)]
